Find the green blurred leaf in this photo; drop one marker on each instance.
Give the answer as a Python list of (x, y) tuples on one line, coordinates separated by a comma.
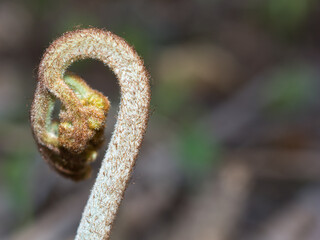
[(199, 151), (285, 16), (76, 19), (170, 98), (137, 37), (42, 7), (290, 89), (15, 172)]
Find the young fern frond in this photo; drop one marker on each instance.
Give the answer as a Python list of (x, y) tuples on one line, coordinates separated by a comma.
[(70, 144)]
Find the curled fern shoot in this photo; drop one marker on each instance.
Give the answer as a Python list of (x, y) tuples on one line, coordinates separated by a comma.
[(70, 144)]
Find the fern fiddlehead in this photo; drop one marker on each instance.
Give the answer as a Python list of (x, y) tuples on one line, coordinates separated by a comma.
[(70, 144)]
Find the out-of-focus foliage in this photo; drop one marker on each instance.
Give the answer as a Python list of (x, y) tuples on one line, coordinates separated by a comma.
[(15, 173), (199, 152), (285, 17), (291, 88), (17, 168)]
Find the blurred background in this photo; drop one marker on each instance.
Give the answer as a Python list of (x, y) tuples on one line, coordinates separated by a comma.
[(232, 150)]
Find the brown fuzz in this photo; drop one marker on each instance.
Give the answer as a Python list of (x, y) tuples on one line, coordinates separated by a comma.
[(70, 143)]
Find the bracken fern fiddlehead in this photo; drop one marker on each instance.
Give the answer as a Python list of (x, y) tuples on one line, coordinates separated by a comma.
[(70, 144)]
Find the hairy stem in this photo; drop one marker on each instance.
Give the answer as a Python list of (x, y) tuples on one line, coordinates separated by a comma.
[(123, 148)]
